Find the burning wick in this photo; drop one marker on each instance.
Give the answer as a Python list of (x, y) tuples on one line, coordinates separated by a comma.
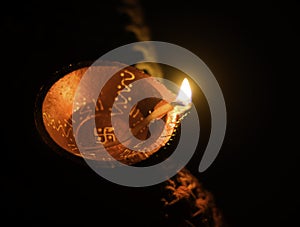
[(179, 107), (183, 100)]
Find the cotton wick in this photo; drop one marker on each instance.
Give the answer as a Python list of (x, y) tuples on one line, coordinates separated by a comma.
[(161, 109)]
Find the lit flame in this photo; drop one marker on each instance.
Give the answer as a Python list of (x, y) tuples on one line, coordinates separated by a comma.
[(185, 93)]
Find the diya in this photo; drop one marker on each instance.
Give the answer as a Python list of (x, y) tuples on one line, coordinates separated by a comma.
[(184, 200)]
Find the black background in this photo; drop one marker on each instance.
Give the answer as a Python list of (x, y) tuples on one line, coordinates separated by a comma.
[(248, 46)]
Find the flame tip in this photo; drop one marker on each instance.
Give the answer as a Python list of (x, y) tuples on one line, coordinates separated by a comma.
[(185, 92)]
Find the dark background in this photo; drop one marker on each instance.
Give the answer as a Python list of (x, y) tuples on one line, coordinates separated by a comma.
[(249, 48)]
